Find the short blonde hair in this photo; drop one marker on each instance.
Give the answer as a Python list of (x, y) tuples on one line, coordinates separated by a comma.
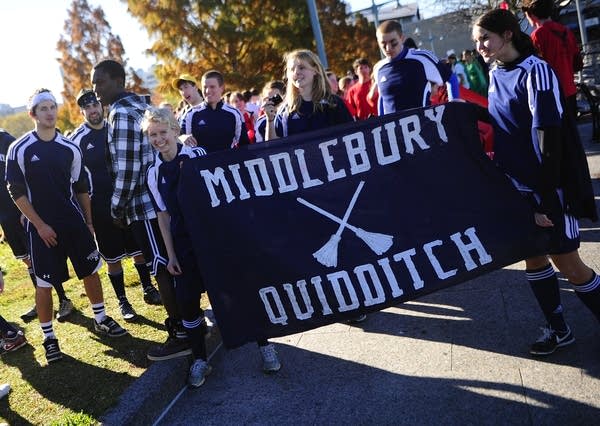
[(161, 116)]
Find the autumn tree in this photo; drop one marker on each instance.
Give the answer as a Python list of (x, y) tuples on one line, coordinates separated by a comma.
[(244, 39), (17, 124), (87, 39)]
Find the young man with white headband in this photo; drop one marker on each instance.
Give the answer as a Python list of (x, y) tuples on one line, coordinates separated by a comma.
[(43, 170)]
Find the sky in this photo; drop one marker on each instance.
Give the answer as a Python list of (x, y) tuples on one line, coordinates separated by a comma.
[(30, 30)]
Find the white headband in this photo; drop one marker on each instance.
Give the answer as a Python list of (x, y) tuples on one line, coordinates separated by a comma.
[(39, 98)]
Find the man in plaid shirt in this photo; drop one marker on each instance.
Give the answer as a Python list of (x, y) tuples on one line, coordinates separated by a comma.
[(130, 154)]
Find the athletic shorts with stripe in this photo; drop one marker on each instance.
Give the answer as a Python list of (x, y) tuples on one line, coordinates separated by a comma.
[(148, 238), (564, 235), (16, 237), (74, 242), (114, 243)]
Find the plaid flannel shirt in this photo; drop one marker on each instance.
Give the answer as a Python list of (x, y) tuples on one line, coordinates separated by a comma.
[(130, 154)]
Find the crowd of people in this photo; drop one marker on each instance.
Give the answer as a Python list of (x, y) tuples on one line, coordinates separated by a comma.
[(108, 191)]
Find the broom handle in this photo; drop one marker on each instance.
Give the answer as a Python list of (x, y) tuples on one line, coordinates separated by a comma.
[(350, 207), (326, 214)]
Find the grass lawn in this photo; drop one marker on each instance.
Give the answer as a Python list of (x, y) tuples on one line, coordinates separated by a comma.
[(94, 371)]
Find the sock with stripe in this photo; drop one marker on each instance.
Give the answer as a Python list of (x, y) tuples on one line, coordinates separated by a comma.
[(589, 294), (544, 284), (48, 330), (118, 283), (195, 333), (99, 312), (144, 274)]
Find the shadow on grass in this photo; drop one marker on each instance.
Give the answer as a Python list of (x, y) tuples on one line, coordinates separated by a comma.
[(128, 347), (76, 385)]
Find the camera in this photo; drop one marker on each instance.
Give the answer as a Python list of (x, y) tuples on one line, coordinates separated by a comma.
[(276, 100)]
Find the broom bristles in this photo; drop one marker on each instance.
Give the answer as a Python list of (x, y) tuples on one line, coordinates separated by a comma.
[(328, 254), (379, 243)]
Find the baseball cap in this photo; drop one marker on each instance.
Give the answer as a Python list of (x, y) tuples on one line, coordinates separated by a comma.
[(183, 77), (86, 96)]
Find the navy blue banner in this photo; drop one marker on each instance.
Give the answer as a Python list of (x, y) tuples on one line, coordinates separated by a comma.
[(302, 232)]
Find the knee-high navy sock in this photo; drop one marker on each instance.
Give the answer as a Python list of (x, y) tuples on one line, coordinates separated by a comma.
[(60, 290), (117, 281), (195, 333), (544, 284), (589, 294), (144, 274)]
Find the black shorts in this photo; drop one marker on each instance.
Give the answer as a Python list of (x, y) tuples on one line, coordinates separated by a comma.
[(148, 238), (16, 237), (74, 242), (114, 243)]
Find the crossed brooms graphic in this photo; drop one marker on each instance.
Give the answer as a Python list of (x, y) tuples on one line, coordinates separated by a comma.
[(328, 254)]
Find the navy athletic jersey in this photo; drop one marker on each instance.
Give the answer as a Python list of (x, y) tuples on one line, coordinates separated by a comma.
[(524, 96), (8, 209), (261, 127), (215, 129), (47, 169), (306, 120), (404, 82), (163, 178), (92, 143)]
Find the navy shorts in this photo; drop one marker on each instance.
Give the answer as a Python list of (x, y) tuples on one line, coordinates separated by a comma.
[(74, 242), (564, 235), (16, 237), (148, 238), (114, 243)]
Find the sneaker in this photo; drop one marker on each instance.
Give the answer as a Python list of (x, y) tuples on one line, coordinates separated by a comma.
[(550, 340), (358, 319), (271, 363), (53, 352), (127, 310), (29, 315), (10, 344), (198, 372), (109, 327), (152, 296), (172, 348), (65, 308), (4, 390)]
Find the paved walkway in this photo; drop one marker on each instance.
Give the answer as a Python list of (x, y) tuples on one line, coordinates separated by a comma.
[(458, 356)]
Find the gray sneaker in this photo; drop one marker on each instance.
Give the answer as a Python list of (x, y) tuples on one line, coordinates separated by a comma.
[(198, 372), (65, 308), (271, 362)]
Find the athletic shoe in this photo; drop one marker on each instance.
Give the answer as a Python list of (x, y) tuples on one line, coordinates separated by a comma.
[(551, 340), (29, 315), (152, 296), (127, 310), (4, 390), (109, 327), (65, 308), (53, 352), (271, 363), (172, 348), (358, 319), (10, 344), (198, 372)]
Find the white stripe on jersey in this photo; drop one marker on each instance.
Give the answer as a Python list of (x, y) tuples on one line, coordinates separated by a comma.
[(239, 120)]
